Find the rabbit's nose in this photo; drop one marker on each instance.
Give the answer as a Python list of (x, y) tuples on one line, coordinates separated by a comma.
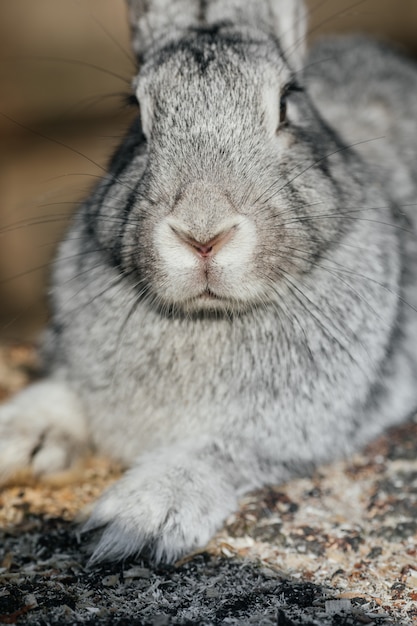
[(206, 249)]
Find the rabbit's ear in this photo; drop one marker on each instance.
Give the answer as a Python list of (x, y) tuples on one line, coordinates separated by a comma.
[(286, 19), (150, 19)]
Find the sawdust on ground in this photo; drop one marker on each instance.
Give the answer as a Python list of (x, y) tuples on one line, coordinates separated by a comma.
[(341, 545)]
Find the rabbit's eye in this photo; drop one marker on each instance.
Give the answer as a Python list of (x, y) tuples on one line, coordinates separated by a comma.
[(283, 110), (289, 88), (132, 101)]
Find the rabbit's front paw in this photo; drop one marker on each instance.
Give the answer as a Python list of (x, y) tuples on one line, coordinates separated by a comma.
[(163, 508), (41, 431)]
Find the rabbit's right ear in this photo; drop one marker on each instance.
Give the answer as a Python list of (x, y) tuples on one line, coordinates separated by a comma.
[(286, 19), (149, 19)]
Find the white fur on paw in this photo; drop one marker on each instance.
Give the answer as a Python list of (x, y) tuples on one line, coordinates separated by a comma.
[(41, 430), (165, 508)]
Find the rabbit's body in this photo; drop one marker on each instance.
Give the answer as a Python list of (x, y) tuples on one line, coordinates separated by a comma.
[(368, 93), (229, 306)]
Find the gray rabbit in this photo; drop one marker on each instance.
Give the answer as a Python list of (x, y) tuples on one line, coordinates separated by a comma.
[(237, 300)]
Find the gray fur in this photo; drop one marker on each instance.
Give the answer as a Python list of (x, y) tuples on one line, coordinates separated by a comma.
[(303, 347)]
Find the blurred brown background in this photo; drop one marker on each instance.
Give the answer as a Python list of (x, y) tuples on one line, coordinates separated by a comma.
[(65, 67)]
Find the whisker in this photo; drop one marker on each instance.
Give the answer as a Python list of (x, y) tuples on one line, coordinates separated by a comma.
[(45, 266), (85, 103), (281, 306), (288, 278), (72, 149), (300, 41), (131, 311), (76, 62), (53, 140), (316, 162), (335, 272), (358, 219), (63, 217), (119, 279), (117, 44)]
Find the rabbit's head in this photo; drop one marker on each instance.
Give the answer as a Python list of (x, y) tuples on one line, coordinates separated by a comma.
[(233, 160)]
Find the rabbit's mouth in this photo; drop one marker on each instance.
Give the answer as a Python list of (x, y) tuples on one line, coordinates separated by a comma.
[(207, 294), (210, 302)]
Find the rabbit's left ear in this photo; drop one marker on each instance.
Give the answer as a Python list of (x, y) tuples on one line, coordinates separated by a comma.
[(150, 19), (286, 19)]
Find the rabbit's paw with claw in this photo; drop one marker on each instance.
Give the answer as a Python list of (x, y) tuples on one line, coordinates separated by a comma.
[(165, 507)]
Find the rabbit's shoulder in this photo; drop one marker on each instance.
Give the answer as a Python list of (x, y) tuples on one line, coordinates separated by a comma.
[(361, 71), (367, 92)]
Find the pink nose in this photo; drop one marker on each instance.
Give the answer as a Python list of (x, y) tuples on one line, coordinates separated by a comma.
[(207, 249), (201, 249)]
